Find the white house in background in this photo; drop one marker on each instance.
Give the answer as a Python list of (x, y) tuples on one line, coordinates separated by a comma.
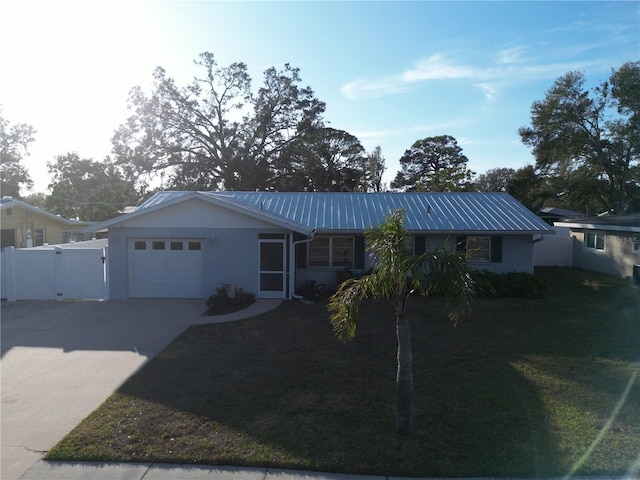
[(607, 244), (187, 244)]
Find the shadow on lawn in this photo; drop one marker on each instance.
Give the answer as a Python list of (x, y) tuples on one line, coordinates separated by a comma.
[(279, 390), (282, 383)]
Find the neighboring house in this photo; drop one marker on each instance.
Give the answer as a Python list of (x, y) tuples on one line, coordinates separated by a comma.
[(553, 214), (608, 244), (187, 244), (24, 225)]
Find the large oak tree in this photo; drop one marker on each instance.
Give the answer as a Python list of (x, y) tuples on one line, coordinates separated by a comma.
[(14, 147), (590, 138), (88, 190), (216, 132), (322, 160)]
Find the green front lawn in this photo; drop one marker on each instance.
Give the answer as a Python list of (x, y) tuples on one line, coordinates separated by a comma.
[(538, 387)]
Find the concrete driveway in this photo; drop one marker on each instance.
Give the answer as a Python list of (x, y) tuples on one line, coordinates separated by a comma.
[(61, 360)]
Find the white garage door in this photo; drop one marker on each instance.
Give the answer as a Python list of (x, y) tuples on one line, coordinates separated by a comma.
[(166, 268)]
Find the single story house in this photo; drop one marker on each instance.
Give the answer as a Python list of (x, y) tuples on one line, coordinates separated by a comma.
[(187, 244), (553, 214), (25, 225), (607, 244)]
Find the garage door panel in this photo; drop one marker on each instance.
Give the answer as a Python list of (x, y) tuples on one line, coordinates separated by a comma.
[(166, 268)]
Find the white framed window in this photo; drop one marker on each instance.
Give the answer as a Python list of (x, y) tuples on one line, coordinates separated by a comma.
[(595, 241), (331, 252), (479, 249)]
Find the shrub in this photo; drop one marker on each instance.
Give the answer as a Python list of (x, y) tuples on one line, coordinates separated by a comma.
[(344, 274), (512, 284), (221, 302)]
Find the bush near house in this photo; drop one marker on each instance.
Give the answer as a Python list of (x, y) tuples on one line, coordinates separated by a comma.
[(221, 302), (490, 284), (512, 284)]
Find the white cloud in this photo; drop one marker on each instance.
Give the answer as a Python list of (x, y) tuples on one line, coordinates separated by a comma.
[(511, 55), (435, 67), (488, 89), (373, 88), (510, 67)]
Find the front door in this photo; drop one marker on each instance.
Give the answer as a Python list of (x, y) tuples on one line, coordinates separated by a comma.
[(272, 268)]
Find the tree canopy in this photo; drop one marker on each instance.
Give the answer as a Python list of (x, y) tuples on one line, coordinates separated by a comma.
[(216, 132), (434, 164), (494, 180), (376, 166), (88, 190), (321, 160), (588, 142), (14, 147)]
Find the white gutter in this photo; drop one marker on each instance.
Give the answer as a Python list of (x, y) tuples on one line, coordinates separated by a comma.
[(292, 263)]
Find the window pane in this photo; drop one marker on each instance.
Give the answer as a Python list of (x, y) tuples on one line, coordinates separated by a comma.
[(195, 246), (158, 245), (319, 252), (342, 252), (176, 246), (140, 245), (591, 240), (479, 249), (600, 238)]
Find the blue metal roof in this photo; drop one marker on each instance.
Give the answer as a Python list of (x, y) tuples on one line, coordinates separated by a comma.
[(344, 212)]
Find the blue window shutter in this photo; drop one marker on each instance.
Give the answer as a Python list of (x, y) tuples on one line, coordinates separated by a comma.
[(461, 244), (358, 252), (496, 249), (419, 244)]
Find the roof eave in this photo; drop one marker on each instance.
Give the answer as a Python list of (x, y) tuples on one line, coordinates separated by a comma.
[(209, 199), (598, 226)]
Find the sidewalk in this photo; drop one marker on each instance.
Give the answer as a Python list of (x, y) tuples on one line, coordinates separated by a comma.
[(44, 470), (260, 306)]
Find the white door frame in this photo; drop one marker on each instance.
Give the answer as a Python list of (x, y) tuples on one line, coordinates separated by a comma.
[(282, 271)]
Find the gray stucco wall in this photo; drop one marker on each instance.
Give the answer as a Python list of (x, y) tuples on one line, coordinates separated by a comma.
[(232, 259), (616, 259)]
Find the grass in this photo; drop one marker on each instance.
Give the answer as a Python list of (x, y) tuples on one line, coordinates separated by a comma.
[(540, 387)]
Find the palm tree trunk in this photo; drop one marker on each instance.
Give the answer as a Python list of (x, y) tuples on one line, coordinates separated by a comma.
[(404, 377)]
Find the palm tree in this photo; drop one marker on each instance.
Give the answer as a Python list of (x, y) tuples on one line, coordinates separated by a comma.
[(397, 273)]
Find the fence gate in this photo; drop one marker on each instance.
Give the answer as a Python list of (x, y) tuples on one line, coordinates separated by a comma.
[(55, 274)]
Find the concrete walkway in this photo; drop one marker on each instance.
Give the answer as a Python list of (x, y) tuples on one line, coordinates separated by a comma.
[(260, 306), (157, 471)]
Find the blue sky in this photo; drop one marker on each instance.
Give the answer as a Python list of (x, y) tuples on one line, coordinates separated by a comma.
[(390, 72)]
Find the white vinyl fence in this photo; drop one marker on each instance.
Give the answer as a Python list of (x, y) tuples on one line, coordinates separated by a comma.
[(54, 274)]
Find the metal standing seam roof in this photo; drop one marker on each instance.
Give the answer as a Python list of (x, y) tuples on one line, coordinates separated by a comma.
[(344, 212)]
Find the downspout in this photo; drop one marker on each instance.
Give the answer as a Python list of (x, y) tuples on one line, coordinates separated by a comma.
[(292, 263), (535, 240)]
